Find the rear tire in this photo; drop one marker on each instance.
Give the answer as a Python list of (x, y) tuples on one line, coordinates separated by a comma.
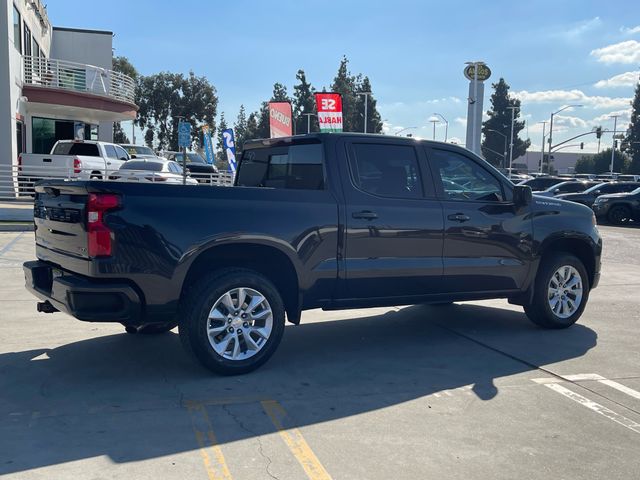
[(619, 214), (232, 321), (561, 292)]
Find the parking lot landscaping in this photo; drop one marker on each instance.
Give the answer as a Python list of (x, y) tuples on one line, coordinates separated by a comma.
[(472, 390)]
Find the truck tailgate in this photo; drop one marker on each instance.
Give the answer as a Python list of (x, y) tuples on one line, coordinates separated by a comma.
[(60, 218)]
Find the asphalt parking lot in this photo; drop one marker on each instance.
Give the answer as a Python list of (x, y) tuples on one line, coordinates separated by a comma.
[(470, 391)]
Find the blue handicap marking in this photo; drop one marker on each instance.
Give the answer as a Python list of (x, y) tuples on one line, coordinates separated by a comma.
[(184, 134)]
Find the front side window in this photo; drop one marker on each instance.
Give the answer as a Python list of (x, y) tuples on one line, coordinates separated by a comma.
[(110, 151), (17, 36), (121, 153), (386, 170), (463, 179), (296, 167)]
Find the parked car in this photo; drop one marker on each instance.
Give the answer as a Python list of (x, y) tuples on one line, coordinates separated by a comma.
[(628, 178), (585, 176), (570, 186), (618, 208), (81, 159), (328, 221), (541, 183), (589, 196), (196, 165), (139, 151), (164, 171), (607, 177)]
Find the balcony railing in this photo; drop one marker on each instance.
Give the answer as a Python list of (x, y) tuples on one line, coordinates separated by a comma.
[(78, 77)]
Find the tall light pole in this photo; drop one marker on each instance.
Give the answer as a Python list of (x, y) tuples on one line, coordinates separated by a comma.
[(513, 120), (504, 156), (446, 126), (613, 144), (551, 124), (309, 115), (544, 125), (474, 104), (366, 103), (434, 121)]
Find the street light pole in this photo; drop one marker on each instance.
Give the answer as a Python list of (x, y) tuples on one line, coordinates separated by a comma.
[(504, 156), (513, 119), (544, 125), (434, 121), (613, 144), (446, 126), (366, 103), (551, 124)]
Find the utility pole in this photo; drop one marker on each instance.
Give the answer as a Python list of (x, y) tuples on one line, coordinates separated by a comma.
[(446, 126), (513, 119), (366, 103), (551, 127), (309, 115), (434, 121), (613, 145), (544, 125)]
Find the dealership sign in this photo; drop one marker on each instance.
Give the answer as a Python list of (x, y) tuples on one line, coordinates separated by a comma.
[(329, 111), (280, 123), (229, 146)]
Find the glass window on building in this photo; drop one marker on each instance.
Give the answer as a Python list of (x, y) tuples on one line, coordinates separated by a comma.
[(27, 41), (17, 37), (45, 132)]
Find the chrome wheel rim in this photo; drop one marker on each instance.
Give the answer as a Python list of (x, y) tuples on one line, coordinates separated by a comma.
[(565, 291), (239, 323)]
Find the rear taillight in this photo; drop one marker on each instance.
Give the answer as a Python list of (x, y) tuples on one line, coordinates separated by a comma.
[(99, 235), (77, 165)]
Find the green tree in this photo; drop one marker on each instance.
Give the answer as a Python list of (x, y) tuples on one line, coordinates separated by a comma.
[(344, 83), (500, 121), (240, 127), (374, 120), (304, 102), (123, 65), (252, 127), (585, 164), (148, 137), (222, 126), (601, 162), (166, 97), (632, 140)]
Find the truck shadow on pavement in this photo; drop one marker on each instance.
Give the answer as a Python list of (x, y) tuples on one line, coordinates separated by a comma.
[(127, 397)]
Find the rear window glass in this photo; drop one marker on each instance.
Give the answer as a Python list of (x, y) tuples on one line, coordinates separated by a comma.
[(86, 149), (295, 167), (135, 165), (138, 150)]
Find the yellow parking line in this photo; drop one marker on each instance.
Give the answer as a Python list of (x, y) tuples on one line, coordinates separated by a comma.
[(215, 465), (295, 441)]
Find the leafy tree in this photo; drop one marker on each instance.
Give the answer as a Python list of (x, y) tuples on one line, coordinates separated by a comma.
[(632, 140), (123, 65), (166, 97), (601, 162), (148, 137), (252, 127), (222, 126), (240, 127), (344, 83), (500, 121), (374, 120), (304, 102)]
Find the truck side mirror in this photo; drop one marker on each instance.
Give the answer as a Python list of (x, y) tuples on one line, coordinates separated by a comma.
[(522, 195)]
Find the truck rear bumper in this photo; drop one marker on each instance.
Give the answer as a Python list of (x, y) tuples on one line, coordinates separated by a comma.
[(83, 298)]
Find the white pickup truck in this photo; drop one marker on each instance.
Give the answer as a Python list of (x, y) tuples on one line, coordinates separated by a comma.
[(78, 159)]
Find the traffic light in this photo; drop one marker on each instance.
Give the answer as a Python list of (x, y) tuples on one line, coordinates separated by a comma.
[(581, 145), (615, 144)]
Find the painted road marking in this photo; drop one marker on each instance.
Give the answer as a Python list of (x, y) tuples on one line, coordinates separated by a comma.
[(622, 388), (295, 441), (582, 377), (212, 457), (11, 243), (596, 407)]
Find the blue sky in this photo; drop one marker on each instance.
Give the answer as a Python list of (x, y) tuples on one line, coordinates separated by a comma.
[(552, 53)]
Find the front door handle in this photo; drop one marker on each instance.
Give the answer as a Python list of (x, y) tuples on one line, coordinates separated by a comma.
[(365, 215), (459, 217)]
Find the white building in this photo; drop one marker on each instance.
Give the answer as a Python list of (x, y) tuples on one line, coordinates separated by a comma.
[(55, 83), (563, 162)]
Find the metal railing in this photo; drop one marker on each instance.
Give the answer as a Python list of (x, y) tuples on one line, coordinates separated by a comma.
[(18, 182), (78, 77)]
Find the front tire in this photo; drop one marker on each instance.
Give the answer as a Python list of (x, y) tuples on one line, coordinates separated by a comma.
[(232, 321), (619, 214), (561, 292)]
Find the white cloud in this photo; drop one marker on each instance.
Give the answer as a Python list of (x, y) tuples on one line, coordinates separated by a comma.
[(624, 118), (571, 96), (623, 52), (630, 30), (442, 100), (626, 79), (455, 140), (461, 121), (581, 28), (569, 121)]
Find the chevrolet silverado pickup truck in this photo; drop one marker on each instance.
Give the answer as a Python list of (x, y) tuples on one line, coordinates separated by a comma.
[(330, 221)]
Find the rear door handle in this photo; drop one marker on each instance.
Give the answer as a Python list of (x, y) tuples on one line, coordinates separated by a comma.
[(365, 215), (459, 217)]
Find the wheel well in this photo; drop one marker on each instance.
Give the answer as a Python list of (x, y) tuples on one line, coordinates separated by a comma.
[(268, 261), (578, 248)]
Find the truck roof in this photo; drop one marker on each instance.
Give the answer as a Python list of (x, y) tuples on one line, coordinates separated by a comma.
[(318, 137)]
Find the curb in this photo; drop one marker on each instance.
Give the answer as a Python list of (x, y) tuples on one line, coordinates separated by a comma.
[(16, 227)]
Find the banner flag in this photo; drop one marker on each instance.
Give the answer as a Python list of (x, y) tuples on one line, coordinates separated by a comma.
[(329, 111), (208, 145), (229, 145), (280, 119)]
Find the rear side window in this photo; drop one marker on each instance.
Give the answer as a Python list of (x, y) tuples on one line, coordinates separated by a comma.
[(298, 167), (85, 149), (386, 170)]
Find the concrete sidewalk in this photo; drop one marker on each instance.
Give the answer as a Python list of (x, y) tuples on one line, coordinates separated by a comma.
[(16, 216)]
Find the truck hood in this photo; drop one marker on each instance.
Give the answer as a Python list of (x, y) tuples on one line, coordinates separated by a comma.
[(615, 195)]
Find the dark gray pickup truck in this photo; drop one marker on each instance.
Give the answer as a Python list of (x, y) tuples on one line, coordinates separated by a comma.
[(328, 221)]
